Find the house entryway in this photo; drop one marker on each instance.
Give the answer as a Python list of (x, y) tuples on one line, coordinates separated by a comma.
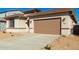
[(2, 25)]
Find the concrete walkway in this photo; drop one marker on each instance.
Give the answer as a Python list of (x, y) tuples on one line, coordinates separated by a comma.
[(27, 42)]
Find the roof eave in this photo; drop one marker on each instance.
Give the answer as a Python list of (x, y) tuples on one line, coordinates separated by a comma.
[(72, 16)]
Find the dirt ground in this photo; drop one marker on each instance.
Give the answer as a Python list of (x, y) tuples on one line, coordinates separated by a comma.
[(7, 35), (25, 41), (62, 43), (65, 43)]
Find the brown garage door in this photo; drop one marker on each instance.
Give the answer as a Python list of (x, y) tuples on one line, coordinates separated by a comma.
[(47, 26)]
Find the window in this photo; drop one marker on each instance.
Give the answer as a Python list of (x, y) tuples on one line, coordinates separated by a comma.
[(12, 23)]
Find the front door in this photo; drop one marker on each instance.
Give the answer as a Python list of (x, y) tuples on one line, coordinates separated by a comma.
[(2, 25)]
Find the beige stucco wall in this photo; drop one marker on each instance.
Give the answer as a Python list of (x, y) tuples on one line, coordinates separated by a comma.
[(7, 24), (66, 32), (19, 23), (19, 26), (31, 30), (16, 30), (70, 23), (66, 25)]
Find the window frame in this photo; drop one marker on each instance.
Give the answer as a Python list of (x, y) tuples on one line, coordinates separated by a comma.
[(11, 23)]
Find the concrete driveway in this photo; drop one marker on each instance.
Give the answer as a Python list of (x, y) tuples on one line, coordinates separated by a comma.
[(26, 42)]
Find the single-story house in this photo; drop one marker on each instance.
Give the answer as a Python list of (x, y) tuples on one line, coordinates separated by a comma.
[(54, 21)]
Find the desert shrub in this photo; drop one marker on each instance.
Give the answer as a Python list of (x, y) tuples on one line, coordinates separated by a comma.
[(4, 31), (63, 36), (47, 47)]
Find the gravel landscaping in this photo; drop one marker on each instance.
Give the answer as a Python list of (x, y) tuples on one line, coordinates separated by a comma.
[(70, 42)]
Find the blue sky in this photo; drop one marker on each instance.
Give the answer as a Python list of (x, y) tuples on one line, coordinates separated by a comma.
[(76, 14), (75, 10)]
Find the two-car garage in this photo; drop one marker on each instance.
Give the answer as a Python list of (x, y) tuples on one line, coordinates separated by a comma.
[(48, 26)]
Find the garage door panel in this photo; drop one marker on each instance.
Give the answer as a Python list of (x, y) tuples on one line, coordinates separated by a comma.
[(50, 26)]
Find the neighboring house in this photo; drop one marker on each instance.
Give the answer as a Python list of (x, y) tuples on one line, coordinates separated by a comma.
[(55, 21)]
